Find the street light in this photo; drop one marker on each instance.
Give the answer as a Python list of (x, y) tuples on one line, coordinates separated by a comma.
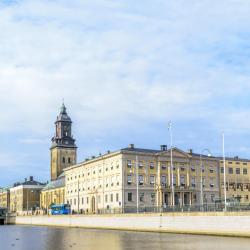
[(201, 193)]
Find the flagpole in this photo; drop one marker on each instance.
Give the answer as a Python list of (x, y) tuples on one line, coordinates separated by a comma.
[(224, 167)]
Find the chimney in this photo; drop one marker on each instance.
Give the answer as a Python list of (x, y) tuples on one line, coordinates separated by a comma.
[(164, 147), (31, 178), (132, 146)]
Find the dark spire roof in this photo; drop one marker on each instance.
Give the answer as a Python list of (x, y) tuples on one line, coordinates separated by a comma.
[(63, 116)]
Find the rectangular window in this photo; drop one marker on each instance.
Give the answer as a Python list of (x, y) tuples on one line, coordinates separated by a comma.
[(117, 197), (141, 197), (193, 181), (130, 197), (212, 197), (230, 170), (174, 182), (222, 170), (152, 179), (87, 200), (211, 182), (111, 197), (140, 179), (237, 170), (106, 198), (129, 179), (192, 168), (245, 171), (182, 168), (163, 180), (151, 165), (129, 163), (163, 167), (140, 164), (153, 197), (211, 169), (182, 180)]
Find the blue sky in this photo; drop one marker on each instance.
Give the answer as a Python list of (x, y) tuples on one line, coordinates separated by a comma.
[(124, 68)]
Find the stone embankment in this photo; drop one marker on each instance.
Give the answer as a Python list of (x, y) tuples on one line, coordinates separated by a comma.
[(220, 223)]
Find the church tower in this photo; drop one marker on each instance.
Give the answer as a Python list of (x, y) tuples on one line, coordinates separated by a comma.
[(63, 149)]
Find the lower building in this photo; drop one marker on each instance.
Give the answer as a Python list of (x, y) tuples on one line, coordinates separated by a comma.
[(25, 196), (237, 177), (53, 193), (5, 198)]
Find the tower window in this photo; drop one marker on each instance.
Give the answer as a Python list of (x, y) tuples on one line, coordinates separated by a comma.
[(69, 160), (63, 159)]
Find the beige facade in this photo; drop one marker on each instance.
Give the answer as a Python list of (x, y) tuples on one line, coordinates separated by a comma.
[(5, 198), (25, 197), (237, 179), (109, 181), (53, 193)]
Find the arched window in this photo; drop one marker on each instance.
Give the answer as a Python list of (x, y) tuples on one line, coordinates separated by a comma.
[(69, 160), (63, 159)]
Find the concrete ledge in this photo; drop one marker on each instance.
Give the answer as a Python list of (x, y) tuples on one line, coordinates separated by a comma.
[(219, 224)]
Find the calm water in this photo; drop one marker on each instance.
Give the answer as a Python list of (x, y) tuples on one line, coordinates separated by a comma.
[(48, 238)]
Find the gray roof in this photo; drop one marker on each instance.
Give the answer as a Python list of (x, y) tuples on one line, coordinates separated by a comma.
[(58, 183)]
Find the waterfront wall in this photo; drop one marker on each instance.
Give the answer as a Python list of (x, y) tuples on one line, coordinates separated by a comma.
[(226, 224)]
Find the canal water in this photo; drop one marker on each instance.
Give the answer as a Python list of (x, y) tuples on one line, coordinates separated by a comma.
[(52, 238)]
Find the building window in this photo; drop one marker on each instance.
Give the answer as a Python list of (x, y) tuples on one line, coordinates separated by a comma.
[(129, 163), (74, 201), (193, 181), (153, 197), (130, 198), (141, 197), (211, 182), (163, 167), (212, 197), (211, 169), (140, 179), (151, 165), (222, 170), (152, 179), (245, 171), (174, 182), (63, 159), (69, 160), (117, 197), (237, 170), (140, 164), (192, 168), (230, 170), (111, 197), (106, 198), (87, 200), (182, 180), (82, 200), (163, 180), (129, 179), (182, 168)]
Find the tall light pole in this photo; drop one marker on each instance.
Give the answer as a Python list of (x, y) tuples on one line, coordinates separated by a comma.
[(171, 161), (137, 185), (201, 176), (224, 167)]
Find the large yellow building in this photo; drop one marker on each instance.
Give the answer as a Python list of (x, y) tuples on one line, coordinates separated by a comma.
[(109, 181), (5, 198), (237, 179)]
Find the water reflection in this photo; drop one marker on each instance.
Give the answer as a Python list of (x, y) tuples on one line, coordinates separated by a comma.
[(48, 238)]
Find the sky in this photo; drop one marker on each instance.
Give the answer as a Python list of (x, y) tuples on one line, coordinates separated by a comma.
[(124, 70)]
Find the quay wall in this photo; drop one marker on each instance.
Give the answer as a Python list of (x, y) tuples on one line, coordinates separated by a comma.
[(219, 223)]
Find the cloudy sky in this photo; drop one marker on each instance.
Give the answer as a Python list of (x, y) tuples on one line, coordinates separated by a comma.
[(124, 69)]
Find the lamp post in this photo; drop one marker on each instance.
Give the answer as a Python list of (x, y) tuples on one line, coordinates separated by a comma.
[(201, 176), (224, 167), (171, 161)]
